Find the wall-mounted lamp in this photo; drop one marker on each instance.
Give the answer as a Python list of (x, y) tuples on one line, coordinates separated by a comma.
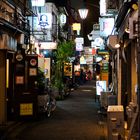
[(113, 42), (127, 30), (135, 6), (117, 45)]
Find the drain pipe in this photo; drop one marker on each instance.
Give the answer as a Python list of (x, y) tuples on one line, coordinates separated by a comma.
[(118, 78), (138, 68)]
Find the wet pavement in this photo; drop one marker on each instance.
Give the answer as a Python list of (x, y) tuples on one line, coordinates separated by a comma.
[(75, 118)]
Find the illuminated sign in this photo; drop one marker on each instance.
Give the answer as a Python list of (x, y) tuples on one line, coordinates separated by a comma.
[(79, 43), (46, 45), (19, 57), (87, 50), (79, 47), (76, 26), (83, 60), (76, 67), (62, 18), (67, 69), (99, 41), (93, 51), (102, 7), (102, 52), (100, 86), (45, 20), (111, 5), (38, 2), (42, 20), (106, 26), (96, 27), (98, 59), (33, 62), (26, 109), (79, 40)]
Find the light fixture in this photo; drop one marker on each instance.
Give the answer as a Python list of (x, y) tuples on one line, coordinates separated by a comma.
[(135, 6), (117, 45), (127, 30), (45, 52), (113, 42), (83, 13)]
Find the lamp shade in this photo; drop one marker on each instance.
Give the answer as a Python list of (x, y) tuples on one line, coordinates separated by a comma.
[(83, 13)]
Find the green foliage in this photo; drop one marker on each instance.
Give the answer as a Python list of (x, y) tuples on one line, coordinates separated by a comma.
[(64, 51), (40, 79)]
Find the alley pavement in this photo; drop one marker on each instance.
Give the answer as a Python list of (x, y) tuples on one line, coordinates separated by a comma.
[(75, 118)]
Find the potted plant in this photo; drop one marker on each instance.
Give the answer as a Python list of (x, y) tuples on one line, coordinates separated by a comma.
[(40, 81)]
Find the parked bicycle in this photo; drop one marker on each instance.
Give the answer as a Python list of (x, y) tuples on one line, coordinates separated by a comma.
[(47, 102), (67, 86), (51, 104)]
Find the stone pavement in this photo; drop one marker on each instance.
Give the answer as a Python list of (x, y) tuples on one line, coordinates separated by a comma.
[(7, 128), (75, 118)]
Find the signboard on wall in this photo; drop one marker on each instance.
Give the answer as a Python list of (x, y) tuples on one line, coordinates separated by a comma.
[(102, 7), (100, 86), (68, 69), (42, 20), (79, 43), (76, 26), (111, 6), (83, 60), (79, 47), (63, 19), (106, 26), (47, 45), (47, 66), (38, 2), (26, 109), (45, 20)]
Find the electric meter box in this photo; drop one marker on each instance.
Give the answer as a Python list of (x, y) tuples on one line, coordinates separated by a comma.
[(115, 121)]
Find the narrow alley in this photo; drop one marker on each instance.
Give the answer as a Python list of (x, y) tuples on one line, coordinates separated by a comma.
[(75, 118)]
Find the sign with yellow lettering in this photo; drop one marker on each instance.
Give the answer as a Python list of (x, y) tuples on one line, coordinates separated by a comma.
[(26, 109)]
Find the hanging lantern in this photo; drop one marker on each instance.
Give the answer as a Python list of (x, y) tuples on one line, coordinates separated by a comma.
[(83, 13)]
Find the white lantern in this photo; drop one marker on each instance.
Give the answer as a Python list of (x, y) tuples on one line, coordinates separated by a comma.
[(83, 13), (63, 18)]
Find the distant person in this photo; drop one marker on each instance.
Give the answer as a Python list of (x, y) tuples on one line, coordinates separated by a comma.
[(89, 75), (81, 76), (97, 69)]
